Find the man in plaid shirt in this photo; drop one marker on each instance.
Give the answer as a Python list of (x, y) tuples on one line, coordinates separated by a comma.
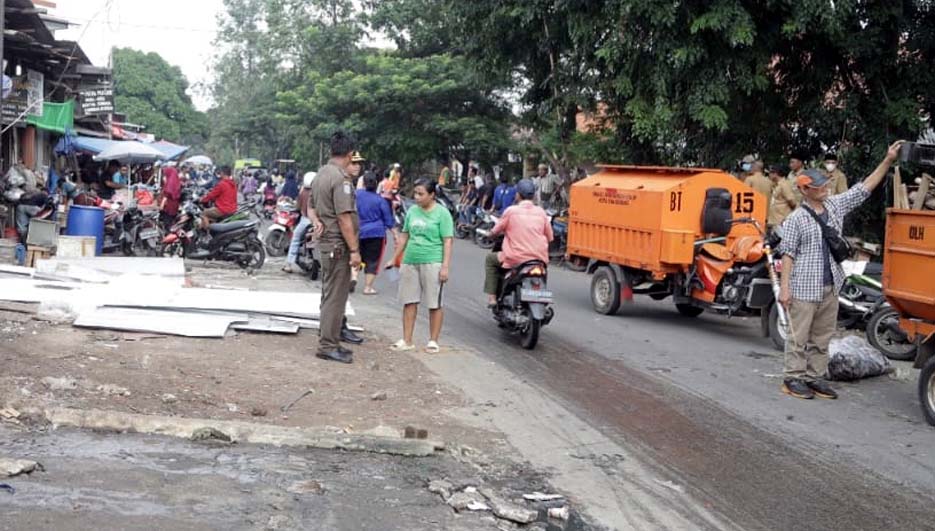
[(811, 278)]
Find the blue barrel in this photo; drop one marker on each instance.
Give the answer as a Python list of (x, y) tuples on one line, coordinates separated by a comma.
[(87, 221)]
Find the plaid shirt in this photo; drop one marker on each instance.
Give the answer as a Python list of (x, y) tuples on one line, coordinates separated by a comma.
[(803, 242)]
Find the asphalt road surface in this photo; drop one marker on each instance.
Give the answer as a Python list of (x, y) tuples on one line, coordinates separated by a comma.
[(700, 399)]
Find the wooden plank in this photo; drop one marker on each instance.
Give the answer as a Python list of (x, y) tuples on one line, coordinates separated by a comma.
[(922, 192)]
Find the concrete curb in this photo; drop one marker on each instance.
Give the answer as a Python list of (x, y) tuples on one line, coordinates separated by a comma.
[(244, 432)]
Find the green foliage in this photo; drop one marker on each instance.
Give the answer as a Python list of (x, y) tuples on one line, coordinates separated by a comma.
[(152, 92), (402, 109), (293, 71)]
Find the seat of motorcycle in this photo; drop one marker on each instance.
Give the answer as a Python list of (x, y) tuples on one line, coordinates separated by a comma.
[(220, 228)]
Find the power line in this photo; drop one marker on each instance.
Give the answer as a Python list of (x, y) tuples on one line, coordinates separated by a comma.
[(147, 26)]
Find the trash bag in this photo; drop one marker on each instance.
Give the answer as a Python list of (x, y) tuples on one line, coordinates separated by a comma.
[(853, 358), (15, 178)]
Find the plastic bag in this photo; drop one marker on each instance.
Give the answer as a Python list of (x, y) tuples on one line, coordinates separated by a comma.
[(852, 358)]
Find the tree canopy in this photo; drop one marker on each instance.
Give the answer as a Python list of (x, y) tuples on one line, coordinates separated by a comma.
[(153, 92)]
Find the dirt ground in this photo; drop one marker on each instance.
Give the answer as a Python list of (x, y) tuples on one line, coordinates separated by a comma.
[(244, 376)]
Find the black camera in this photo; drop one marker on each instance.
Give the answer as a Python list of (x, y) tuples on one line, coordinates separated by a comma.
[(922, 154)]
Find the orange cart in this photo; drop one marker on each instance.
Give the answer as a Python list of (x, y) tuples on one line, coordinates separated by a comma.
[(909, 286)]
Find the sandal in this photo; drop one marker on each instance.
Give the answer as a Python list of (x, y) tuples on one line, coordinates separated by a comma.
[(370, 291), (401, 346), (432, 347)]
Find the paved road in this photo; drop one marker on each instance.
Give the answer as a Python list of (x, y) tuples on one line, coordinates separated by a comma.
[(700, 399)]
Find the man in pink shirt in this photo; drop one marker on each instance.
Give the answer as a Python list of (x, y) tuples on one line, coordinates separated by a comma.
[(527, 235)]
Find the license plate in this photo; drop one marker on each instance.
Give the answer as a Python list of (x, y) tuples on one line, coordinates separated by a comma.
[(533, 295), (149, 233)]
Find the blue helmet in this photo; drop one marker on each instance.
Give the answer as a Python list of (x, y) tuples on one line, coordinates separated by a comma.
[(526, 189)]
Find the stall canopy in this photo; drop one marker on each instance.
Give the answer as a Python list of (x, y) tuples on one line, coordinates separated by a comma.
[(69, 144), (170, 150), (130, 152), (56, 117)]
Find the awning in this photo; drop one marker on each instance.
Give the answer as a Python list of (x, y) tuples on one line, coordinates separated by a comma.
[(170, 150), (69, 144), (56, 117)]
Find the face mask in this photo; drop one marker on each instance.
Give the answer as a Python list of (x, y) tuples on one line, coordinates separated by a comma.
[(830, 166), (746, 166)]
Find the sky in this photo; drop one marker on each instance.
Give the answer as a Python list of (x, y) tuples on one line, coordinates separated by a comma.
[(181, 31)]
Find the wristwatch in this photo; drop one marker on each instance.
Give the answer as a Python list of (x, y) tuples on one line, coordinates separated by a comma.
[(355, 251)]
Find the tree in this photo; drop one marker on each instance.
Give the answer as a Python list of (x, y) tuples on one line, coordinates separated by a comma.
[(697, 82), (153, 93), (403, 109)]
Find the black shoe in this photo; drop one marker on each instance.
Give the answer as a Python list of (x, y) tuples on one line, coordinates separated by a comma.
[(336, 355), (822, 389), (348, 336), (345, 350), (797, 388)]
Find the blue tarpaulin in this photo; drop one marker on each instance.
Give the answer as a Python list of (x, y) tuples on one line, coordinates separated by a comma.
[(68, 144), (170, 150)]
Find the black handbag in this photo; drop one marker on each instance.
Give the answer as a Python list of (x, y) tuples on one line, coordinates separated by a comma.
[(839, 248)]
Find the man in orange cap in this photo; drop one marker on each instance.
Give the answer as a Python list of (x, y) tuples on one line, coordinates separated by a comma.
[(812, 277)]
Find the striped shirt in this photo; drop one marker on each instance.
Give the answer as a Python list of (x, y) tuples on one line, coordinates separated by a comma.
[(803, 241)]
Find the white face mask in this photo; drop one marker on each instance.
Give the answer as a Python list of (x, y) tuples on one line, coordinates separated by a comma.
[(831, 166)]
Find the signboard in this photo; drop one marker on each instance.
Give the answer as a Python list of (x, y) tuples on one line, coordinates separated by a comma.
[(15, 103), (97, 99), (35, 85)]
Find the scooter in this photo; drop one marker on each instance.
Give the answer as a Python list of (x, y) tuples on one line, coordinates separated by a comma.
[(482, 234), (308, 260), (284, 223), (524, 302), (233, 241), (559, 244)]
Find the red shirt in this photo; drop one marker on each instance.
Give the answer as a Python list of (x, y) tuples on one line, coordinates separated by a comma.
[(528, 233), (224, 195)]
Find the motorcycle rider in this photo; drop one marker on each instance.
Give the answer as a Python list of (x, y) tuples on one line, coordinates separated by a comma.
[(527, 233), (224, 195), (304, 223)]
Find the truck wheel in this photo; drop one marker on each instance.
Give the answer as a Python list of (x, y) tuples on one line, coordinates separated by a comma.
[(927, 390), (689, 310), (605, 291), (776, 333), (884, 334)]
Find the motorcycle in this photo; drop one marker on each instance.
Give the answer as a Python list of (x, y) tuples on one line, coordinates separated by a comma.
[(861, 306), (139, 233), (307, 259), (232, 241), (559, 244), (284, 223), (465, 225), (524, 302), (482, 234)]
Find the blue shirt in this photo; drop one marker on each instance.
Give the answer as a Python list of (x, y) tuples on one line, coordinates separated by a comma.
[(503, 197), (374, 213), (118, 178)]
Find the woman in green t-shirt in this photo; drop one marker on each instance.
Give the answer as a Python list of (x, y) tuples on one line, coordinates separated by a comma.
[(424, 250)]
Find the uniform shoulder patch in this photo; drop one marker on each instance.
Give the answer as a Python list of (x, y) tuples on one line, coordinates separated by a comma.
[(347, 188)]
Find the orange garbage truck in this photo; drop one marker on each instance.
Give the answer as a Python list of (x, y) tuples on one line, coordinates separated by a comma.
[(909, 286), (693, 234)]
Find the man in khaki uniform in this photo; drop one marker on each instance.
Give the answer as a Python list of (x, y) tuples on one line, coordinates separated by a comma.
[(758, 181), (838, 179), (335, 208), (783, 200)]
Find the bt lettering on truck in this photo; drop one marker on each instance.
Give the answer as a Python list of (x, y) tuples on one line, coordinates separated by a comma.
[(917, 232), (611, 196)]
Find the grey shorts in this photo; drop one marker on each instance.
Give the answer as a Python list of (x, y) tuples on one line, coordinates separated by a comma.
[(418, 283)]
